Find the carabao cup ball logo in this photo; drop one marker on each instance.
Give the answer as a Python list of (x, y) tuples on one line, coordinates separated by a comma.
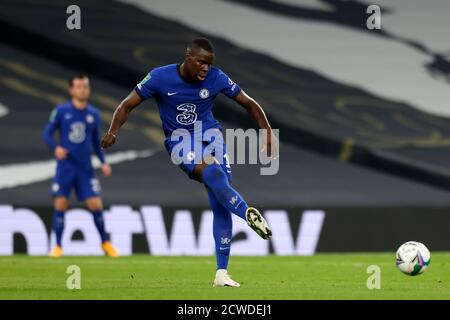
[(204, 93), (188, 115)]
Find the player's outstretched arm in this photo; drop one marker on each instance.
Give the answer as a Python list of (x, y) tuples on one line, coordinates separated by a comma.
[(257, 113), (120, 116)]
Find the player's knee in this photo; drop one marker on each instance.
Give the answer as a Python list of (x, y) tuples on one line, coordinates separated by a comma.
[(94, 204), (61, 207), (95, 208), (209, 159), (61, 204)]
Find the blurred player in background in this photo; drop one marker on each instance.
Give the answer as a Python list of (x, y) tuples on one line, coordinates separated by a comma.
[(77, 123), (185, 94)]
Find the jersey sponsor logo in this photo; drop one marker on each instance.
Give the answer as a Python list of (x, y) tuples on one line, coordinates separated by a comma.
[(204, 93), (188, 115), (77, 132), (89, 118)]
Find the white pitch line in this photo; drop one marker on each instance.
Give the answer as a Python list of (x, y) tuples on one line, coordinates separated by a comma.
[(19, 174)]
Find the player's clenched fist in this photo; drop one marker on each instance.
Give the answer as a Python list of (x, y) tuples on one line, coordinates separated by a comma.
[(106, 169), (108, 140), (60, 153), (270, 145)]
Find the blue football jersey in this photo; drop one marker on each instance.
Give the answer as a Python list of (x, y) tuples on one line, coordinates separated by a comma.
[(78, 133), (182, 103)]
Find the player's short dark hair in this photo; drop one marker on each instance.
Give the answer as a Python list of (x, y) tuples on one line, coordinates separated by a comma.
[(77, 76), (201, 43)]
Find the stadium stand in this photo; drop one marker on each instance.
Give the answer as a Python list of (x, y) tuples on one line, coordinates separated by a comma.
[(316, 116)]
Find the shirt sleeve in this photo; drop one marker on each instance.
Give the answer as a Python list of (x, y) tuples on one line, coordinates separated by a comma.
[(227, 86), (52, 125), (147, 87)]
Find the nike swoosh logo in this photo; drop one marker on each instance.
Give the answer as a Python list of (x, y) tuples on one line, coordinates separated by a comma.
[(21, 174), (171, 93), (224, 248)]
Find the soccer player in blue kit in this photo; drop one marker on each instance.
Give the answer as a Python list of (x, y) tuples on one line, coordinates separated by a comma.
[(77, 123), (185, 94)]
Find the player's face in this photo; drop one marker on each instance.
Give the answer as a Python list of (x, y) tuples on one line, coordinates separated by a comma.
[(80, 89), (198, 63)]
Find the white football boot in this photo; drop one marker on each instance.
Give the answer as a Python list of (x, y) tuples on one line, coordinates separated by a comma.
[(223, 279), (257, 222)]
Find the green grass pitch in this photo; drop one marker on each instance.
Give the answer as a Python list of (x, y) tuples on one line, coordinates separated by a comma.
[(323, 276)]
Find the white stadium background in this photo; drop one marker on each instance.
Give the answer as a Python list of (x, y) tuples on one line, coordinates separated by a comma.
[(376, 64)]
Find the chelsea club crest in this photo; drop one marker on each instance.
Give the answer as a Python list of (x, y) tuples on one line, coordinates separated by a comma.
[(204, 93), (89, 118)]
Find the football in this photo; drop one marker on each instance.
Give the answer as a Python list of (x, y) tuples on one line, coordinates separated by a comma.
[(413, 258)]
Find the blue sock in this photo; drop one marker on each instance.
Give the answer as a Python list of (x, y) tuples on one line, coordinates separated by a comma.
[(217, 181), (100, 224), (222, 229), (58, 225)]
